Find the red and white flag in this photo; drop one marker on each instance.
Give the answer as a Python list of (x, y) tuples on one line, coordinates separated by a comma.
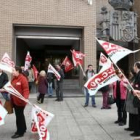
[(3, 114), (104, 61), (106, 76), (28, 60), (40, 121), (35, 72), (10, 89), (115, 52), (77, 57), (68, 64), (7, 64), (41, 129), (51, 69)]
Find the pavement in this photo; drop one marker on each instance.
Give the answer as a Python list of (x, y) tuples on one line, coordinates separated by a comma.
[(72, 121)]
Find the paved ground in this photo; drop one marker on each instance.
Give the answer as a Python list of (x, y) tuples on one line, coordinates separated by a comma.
[(72, 121)]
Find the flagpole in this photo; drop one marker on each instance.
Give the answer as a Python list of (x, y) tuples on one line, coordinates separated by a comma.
[(82, 70)]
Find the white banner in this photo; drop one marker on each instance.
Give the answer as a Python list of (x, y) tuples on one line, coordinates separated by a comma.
[(3, 113), (10, 89), (40, 121), (105, 77), (51, 69), (115, 52), (104, 61), (28, 60), (7, 64)]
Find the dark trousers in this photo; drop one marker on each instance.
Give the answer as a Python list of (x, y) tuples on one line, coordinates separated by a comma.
[(59, 91), (122, 115), (136, 122), (20, 119), (41, 96)]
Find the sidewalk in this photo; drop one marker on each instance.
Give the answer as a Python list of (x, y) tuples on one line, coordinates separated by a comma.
[(72, 122)]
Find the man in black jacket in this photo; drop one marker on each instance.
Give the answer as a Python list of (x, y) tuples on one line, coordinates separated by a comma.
[(3, 81), (136, 92), (59, 84)]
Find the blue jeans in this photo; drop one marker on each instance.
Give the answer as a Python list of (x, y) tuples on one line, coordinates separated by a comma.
[(50, 89), (87, 98), (5, 96)]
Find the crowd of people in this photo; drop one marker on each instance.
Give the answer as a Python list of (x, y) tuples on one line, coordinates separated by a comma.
[(22, 81), (123, 90)]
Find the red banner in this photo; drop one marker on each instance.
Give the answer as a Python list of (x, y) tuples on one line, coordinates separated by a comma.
[(77, 57), (35, 72), (68, 64)]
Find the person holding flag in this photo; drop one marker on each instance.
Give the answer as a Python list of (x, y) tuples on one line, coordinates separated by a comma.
[(136, 92), (59, 84), (89, 73), (20, 83)]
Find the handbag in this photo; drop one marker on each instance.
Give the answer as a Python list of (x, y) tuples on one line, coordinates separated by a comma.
[(8, 106), (110, 100), (136, 102)]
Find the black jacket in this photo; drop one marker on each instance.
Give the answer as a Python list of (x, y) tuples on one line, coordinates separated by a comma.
[(3, 79), (61, 72), (136, 84)]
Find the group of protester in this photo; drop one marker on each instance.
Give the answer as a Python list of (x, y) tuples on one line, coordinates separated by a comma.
[(22, 81), (46, 84), (124, 92)]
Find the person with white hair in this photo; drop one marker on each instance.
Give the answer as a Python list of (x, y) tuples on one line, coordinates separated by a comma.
[(42, 86)]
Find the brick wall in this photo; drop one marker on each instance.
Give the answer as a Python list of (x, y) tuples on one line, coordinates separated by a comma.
[(48, 13)]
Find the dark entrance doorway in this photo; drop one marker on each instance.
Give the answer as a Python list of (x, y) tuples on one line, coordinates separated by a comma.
[(51, 43), (54, 51)]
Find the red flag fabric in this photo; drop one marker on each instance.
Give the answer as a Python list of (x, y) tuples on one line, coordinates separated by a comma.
[(68, 64), (77, 57), (35, 72)]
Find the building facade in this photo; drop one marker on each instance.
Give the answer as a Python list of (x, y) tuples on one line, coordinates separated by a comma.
[(51, 28)]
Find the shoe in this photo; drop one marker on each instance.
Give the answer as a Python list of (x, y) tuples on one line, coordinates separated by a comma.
[(39, 102), (94, 106), (57, 100), (128, 129), (16, 136), (50, 96), (121, 124), (85, 105), (116, 122), (108, 107), (135, 134), (103, 108)]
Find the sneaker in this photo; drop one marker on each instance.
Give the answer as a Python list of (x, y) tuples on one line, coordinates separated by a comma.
[(121, 123), (85, 105), (50, 96), (39, 102), (108, 107), (94, 106), (103, 108), (116, 121)]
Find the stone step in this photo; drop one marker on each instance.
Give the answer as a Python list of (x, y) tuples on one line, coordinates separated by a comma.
[(71, 84)]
